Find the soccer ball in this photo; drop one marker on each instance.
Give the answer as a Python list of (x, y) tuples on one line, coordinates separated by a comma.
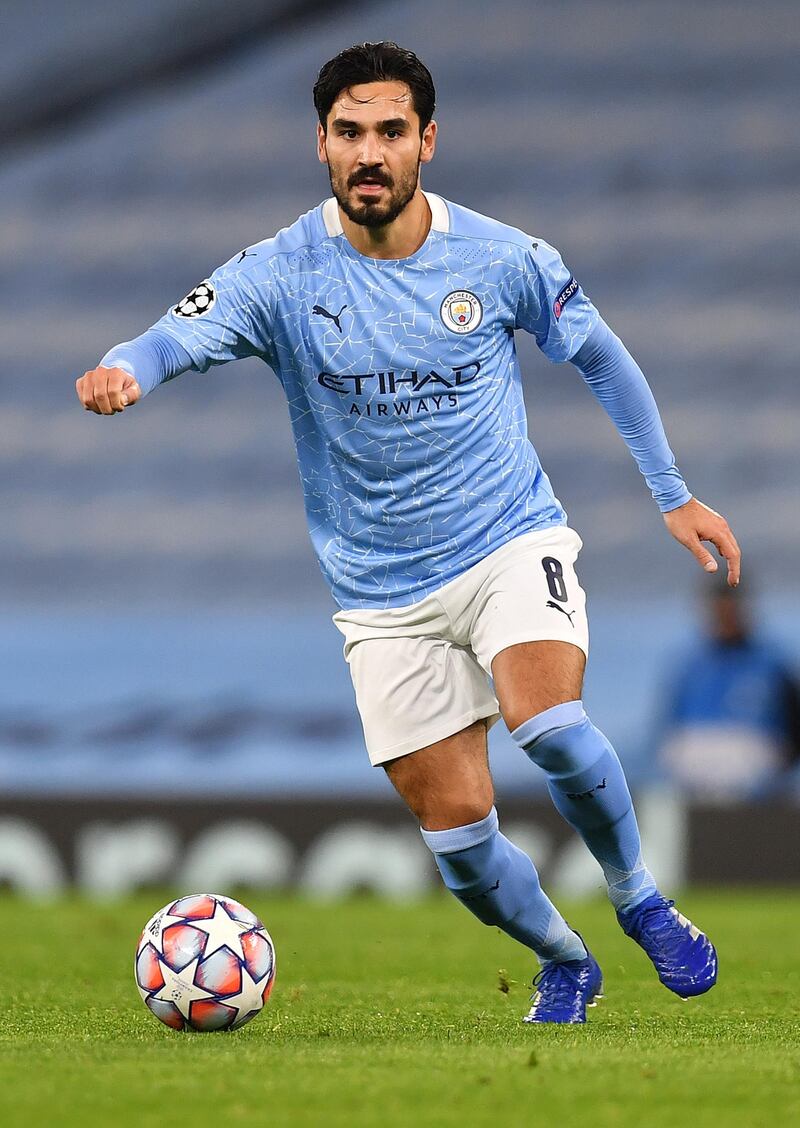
[(205, 962)]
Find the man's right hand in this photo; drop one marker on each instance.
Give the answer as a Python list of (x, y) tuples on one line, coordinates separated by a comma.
[(105, 391)]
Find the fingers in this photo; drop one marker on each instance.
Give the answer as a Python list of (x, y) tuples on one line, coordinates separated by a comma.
[(703, 555), (107, 391), (694, 523), (726, 545), (102, 395), (85, 393), (131, 392), (719, 534)]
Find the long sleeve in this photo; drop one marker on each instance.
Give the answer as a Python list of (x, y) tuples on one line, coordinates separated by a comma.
[(619, 385), (223, 318), (152, 358)]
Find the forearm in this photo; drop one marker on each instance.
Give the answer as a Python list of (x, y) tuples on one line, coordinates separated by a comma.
[(151, 359), (618, 383)]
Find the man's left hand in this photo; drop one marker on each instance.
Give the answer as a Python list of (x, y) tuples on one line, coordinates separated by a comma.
[(693, 523)]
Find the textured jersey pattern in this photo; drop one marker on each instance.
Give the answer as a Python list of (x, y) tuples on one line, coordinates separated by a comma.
[(403, 386)]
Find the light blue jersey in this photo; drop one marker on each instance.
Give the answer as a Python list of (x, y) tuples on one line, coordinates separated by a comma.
[(403, 385)]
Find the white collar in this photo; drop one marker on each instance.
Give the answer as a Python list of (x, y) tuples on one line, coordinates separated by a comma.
[(440, 217)]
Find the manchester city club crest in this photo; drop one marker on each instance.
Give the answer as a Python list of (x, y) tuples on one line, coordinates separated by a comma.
[(461, 311)]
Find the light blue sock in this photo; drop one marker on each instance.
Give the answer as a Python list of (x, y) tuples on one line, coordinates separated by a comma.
[(587, 785), (499, 884)]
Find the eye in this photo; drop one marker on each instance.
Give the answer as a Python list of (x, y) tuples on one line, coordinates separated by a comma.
[(393, 133)]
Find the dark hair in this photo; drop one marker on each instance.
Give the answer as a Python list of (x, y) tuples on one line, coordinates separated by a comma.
[(375, 62)]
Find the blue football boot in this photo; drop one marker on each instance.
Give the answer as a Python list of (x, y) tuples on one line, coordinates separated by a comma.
[(565, 990), (683, 956)]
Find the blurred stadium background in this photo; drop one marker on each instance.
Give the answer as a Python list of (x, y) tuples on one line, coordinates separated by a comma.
[(173, 705)]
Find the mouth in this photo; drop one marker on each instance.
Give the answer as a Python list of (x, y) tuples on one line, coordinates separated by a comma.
[(369, 186)]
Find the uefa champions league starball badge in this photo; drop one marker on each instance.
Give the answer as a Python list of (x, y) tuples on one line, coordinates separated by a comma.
[(201, 299), (461, 311)]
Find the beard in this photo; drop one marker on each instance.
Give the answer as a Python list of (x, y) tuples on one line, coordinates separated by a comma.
[(374, 213)]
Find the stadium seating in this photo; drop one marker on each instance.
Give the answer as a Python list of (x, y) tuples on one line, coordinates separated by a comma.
[(672, 207)]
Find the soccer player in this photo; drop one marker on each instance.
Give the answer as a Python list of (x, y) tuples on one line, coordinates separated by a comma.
[(389, 314)]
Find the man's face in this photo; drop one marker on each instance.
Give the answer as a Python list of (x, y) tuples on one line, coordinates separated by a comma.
[(373, 151)]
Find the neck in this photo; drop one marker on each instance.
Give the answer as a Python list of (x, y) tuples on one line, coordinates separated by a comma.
[(396, 240)]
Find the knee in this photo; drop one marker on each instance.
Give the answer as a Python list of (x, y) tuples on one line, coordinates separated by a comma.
[(526, 730), (447, 784), (563, 741), (549, 736), (444, 812), (441, 804)]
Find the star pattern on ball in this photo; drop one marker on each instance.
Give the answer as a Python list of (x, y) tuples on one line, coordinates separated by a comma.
[(180, 987), (249, 998), (222, 931)]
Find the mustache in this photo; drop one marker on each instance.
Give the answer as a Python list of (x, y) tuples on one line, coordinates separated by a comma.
[(373, 174)]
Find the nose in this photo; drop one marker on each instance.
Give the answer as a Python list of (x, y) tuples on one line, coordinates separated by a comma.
[(371, 152)]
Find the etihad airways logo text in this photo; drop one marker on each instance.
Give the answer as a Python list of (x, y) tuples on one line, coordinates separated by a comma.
[(387, 383), (438, 389)]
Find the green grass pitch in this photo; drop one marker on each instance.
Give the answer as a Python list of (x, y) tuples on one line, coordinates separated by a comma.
[(387, 1015)]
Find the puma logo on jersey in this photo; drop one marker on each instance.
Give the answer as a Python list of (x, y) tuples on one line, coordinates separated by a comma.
[(587, 794), (334, 317), (245, 254), (563, 610)]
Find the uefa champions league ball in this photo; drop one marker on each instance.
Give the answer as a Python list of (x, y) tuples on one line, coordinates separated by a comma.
[(205, 962)]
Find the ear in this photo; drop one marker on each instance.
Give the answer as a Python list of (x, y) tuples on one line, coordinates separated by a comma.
[(428, 146), (322, 151)]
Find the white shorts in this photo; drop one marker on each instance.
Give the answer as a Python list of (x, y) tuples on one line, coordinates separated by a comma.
[(421, 672)]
